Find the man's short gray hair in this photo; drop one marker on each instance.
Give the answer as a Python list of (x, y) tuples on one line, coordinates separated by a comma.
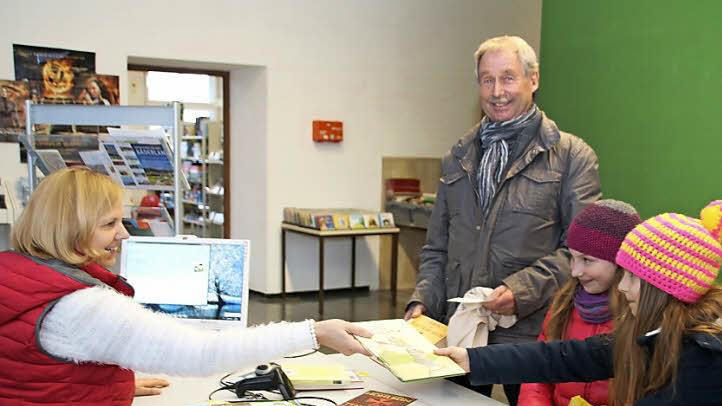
[(525, 53)]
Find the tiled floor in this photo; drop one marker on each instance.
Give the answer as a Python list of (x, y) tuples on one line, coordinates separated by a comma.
[(358, 305)]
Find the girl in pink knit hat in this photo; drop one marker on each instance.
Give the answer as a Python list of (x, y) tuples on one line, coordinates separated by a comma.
[(667, 346)]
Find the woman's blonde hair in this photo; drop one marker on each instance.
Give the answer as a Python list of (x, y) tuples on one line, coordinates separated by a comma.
[(62, 214)]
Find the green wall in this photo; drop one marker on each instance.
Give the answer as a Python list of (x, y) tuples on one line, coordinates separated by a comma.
[(641, 82)]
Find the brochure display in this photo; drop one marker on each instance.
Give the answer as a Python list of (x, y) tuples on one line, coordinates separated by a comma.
[(143, 156), (139, 159)]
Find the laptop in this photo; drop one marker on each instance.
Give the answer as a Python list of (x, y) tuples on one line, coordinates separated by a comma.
[(200, 280)]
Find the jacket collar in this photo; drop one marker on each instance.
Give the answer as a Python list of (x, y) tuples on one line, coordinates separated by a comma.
[(704, 340), (467, 148)]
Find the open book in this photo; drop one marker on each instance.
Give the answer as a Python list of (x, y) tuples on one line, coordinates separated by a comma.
[(405, 352)]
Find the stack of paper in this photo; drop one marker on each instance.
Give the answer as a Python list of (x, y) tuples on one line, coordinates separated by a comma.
[(321, 376)]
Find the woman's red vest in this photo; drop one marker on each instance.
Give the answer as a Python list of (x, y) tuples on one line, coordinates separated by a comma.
[(29, 288)]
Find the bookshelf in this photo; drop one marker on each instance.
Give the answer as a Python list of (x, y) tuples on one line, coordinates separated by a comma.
[(203, 165)]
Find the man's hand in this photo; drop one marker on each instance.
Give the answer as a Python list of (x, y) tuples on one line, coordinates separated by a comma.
[(415, 310), (149, 386), (501, 301), (457, 354), (337, 334)]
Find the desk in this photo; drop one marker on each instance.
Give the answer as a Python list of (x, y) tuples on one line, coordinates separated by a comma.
[(322, 235), (185, 391)]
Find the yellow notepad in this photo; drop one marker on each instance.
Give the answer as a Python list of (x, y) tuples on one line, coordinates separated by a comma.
[(431, 329), (321, 376)]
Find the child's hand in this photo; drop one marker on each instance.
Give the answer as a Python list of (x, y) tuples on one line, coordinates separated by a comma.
[(458, 354)]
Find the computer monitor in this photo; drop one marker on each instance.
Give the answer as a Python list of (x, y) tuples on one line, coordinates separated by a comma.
[(204, 280)]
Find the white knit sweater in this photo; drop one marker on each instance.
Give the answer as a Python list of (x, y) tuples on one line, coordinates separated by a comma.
[(100, 325)]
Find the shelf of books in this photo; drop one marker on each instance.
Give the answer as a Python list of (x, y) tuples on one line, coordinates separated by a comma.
[(338, 219), (202, 157)]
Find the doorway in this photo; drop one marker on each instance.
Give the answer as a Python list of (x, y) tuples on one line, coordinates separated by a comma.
[(205, 146)]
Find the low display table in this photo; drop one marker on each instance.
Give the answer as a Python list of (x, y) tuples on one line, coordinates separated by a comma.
[(393, 232)]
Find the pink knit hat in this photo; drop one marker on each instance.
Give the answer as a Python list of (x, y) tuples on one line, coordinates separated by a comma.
[(678, 254), (600, 228)]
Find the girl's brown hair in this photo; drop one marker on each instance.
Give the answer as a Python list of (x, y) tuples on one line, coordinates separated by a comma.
[(562, 306), (640, 370), (62, 215)]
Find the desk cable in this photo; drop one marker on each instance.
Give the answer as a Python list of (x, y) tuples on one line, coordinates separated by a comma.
[(259, 397)]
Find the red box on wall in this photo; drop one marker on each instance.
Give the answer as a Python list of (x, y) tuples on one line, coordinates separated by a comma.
[(327, 131)]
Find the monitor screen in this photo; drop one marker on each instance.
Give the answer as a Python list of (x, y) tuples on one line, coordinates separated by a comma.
[(203, 279)]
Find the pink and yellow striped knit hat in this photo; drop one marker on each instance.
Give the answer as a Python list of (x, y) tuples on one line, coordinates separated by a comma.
[(678, 254)]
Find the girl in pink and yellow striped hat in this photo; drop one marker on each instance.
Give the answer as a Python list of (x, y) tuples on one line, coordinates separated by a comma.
[(667, 346), (671, 262)]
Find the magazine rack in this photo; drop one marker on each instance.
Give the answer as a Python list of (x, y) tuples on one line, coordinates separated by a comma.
[(166, 116)]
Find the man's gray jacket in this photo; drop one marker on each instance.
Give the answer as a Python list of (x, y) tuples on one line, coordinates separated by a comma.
[(520, 243)]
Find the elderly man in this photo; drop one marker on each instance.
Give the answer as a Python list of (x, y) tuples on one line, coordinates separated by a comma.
[(509, 189)]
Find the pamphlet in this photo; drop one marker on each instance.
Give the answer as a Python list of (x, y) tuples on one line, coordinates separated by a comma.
[(52, 159), (431, 329), (99, 161), (142, 157), (402, 350), (372, 398)]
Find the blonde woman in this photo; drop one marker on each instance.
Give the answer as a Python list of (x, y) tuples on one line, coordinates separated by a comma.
[(667, 348), (70, 332)]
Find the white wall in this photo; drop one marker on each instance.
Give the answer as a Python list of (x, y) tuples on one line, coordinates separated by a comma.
[(397, 73)]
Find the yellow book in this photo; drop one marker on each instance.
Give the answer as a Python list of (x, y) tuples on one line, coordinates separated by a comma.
[(579, 401), (431, 329), (340, 221)]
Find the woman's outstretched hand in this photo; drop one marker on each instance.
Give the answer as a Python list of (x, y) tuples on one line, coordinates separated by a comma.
[(458, 354), (337, 334), (149, 386)]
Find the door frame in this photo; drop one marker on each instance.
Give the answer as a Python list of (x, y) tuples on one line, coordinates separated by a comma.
[(225, 77)]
